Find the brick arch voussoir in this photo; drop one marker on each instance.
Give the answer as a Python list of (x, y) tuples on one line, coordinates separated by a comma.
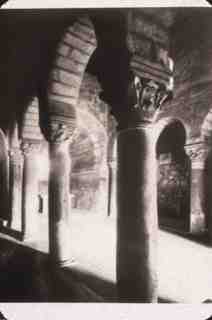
[(73, 53)]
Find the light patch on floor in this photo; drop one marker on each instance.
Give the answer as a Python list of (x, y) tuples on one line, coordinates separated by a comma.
[(184, 267)]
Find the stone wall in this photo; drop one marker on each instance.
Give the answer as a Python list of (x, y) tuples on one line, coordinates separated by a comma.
[(192, 50), (173, 192)]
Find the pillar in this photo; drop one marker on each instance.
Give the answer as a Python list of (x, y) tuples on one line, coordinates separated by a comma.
[(7, 181), (101, 206), (137, 214), (30, 189), (59, 206), (112, 208), (15, 186), (58, 130), (15, 180), (197, 156), (137, 222)]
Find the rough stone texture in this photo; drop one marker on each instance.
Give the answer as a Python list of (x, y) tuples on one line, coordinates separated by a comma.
[(165, 16), (192, 48), (139, 23), (30, 128), (69, 64), (81, 40), (174, 192)]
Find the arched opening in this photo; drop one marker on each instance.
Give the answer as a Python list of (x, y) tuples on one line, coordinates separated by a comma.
[(85, 175), (173, 177)]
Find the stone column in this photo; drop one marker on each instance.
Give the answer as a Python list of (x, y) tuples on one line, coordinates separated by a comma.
[(15, 179), (137, 214), (137, 192), (112, 208), (58, 130), (59, 206), (197, 155), (7, 182), (101, 206), (15, 189), (30, 188)]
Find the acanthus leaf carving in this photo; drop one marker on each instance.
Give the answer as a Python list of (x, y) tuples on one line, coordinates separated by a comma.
[(197, 152), (15, 155), (146, 98), (30, 147), (59, 132)]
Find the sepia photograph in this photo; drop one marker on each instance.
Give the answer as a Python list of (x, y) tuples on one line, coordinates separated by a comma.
[(105, 156)]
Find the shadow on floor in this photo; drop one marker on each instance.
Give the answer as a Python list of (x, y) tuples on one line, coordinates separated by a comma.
[(26, 275), (201, 238)]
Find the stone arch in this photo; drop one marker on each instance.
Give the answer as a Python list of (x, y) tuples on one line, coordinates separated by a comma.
[(87, 150), (4, 174), (97, 134), (82, 151), (60, 92), (173, 175), (73, 53), (171, 125)]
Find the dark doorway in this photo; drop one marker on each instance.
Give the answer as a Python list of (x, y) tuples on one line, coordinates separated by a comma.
[(173, 178)]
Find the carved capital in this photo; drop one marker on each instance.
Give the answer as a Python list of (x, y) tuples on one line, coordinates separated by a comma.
[(60, 122), (30, 147), (149, 87), (59, 132), (15, 155), (146, 98), (197, 152)]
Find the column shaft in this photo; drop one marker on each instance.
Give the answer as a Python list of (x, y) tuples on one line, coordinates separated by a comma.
[(197, 154), (30, 196), (112, 209), (15, 182), (137, 216), (197, 216), (59, 185)]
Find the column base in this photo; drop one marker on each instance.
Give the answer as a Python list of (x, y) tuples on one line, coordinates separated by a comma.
[(29, 237), (64, 263), (197, 223)]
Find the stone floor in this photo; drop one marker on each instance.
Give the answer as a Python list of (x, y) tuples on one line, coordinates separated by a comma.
[(184, 266)]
